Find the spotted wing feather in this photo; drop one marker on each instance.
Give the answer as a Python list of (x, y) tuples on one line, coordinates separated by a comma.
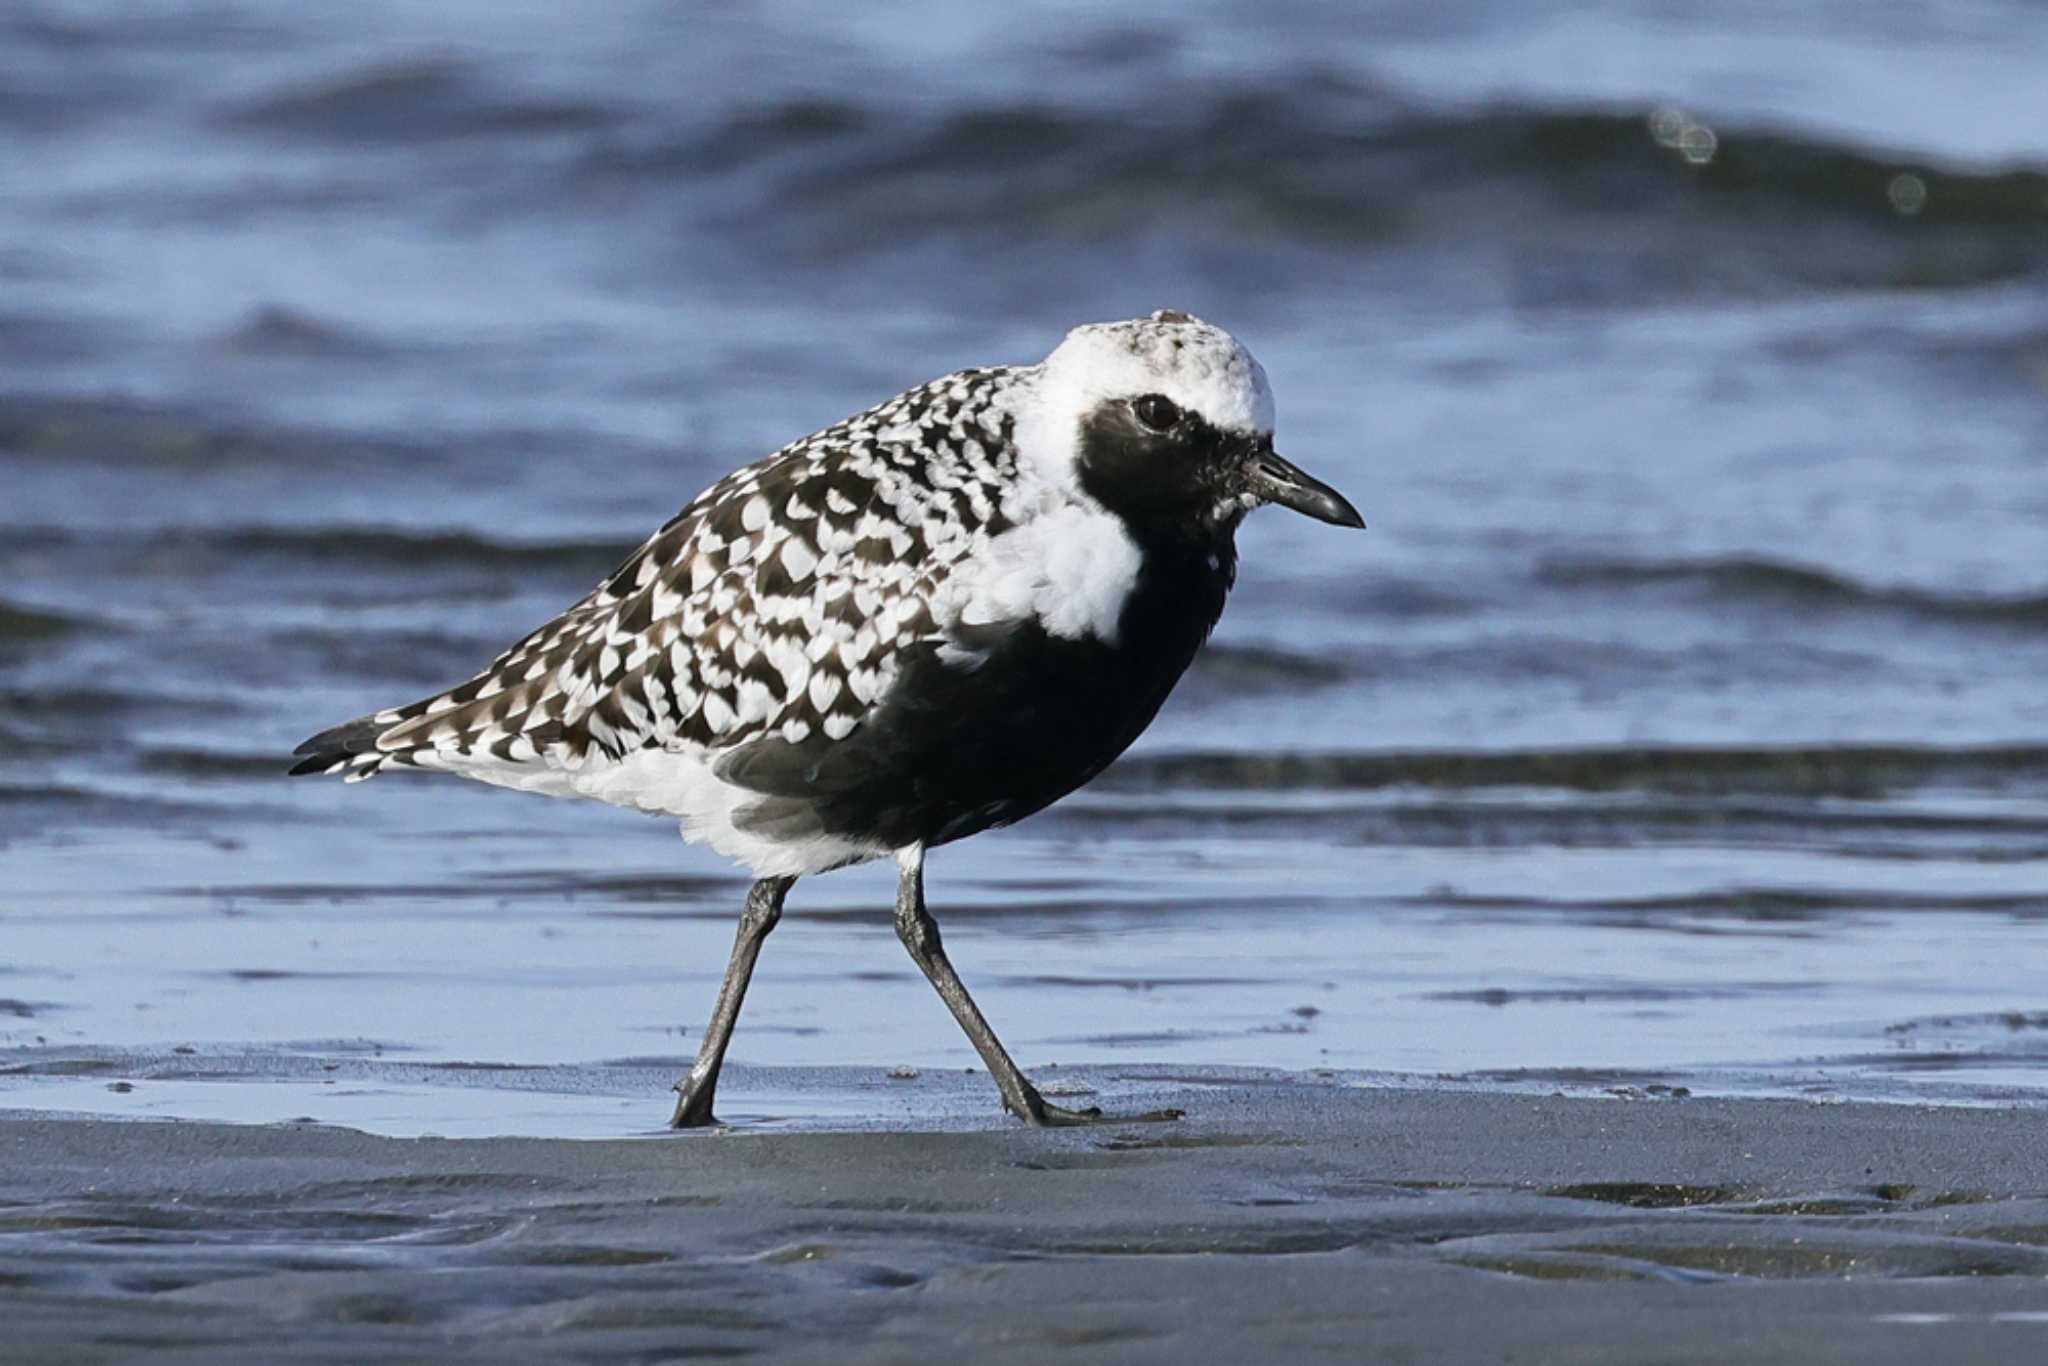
[(778, 602)]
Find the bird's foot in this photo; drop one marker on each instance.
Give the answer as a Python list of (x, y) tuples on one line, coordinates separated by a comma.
[(693, 1107), (1038, 1112)]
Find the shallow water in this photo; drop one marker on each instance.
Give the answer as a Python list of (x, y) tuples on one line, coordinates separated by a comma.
[(1678, 722)]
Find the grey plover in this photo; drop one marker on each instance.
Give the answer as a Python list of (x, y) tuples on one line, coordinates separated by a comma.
[(935, 617)]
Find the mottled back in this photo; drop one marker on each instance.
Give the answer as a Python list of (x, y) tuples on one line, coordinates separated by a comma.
[(776, 602)]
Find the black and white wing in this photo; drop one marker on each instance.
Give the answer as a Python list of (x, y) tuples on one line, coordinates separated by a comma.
[(778, 603)]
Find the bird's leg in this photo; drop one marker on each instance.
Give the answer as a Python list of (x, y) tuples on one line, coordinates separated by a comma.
[(763, 909), (920, 934)]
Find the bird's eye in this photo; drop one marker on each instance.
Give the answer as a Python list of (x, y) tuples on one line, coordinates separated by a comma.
[(1157, 412)]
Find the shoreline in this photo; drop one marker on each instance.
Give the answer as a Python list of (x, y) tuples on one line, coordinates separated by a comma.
[(391, 1091), (1284, 1215)]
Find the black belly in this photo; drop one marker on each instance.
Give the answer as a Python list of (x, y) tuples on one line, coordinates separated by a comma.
[(953, 751)]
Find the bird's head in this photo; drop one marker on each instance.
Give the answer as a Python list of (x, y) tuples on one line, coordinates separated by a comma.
[(1168, 422)]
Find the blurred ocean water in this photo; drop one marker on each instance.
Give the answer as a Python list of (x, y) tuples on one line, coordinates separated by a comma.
[(1681, 715)]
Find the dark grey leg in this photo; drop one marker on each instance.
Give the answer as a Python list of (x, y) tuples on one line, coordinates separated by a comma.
[(763, 909), (920, 934)]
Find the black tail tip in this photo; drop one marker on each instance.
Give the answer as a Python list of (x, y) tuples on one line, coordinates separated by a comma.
[(335, 745)]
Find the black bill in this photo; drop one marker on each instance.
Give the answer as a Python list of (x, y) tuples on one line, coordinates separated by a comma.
[(1277, 481)]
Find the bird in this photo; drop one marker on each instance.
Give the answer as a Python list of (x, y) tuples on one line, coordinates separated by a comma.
[(935, 617)]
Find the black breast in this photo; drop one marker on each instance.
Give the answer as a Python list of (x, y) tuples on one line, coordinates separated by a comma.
[(953, 751)]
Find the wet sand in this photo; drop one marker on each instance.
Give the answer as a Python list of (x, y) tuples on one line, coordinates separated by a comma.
[(1287, 1218)]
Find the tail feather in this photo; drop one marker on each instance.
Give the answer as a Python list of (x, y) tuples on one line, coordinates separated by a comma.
[(349, 749)]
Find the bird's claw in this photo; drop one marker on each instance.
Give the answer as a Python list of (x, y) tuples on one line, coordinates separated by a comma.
[(1040, 1113)]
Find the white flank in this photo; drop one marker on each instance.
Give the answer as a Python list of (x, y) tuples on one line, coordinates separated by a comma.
[(682, 784)]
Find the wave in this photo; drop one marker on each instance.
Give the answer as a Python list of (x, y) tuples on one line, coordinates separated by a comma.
[(1235, 671), (29, 625), (359, 546), (120, 431), (87, 705), (1288, 142), (1898, 831), (430, 98), (355, 547), (1778, 582), (274, 330), (1590, 197), (1332, 161), (544, 884), (29, 810), (1845, 771), (1761, 904)]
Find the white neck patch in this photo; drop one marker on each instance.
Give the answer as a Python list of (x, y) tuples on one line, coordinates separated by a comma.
[(1202, 368)]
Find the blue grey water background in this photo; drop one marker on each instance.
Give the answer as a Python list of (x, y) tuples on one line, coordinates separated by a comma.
[(1679, 722)]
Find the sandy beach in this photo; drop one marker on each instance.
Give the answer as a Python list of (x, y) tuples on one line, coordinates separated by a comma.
[(1287, 1218)]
